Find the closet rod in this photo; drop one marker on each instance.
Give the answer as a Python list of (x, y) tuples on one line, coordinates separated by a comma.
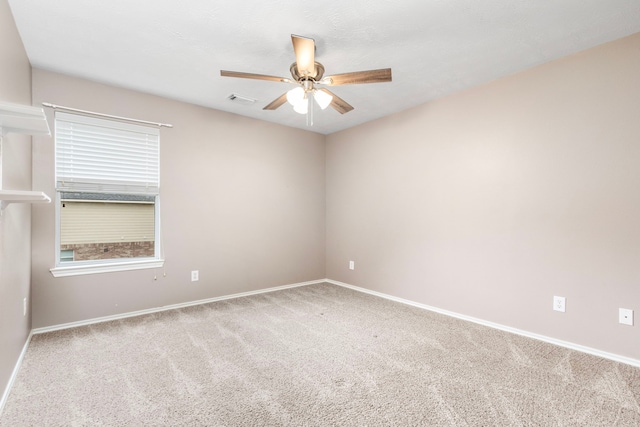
[(92, 113)]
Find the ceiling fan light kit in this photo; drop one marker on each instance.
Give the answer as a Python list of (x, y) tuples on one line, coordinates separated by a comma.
[(307, 74), (299, 98), (295, 96), (322, 98)]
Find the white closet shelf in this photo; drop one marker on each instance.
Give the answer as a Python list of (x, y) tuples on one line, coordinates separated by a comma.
[(20, 196), (22, 119)]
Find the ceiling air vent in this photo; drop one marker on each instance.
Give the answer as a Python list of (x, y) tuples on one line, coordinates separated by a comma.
[(239, 99)]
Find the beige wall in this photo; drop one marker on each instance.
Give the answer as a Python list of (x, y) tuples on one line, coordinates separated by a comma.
[(490, 202), (241, 200), (15, 240)]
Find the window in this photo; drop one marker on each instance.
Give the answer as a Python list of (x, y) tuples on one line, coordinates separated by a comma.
[(107, 190), (66, 255)]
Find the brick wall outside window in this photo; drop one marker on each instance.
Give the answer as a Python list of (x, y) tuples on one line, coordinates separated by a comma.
[(95, 251)]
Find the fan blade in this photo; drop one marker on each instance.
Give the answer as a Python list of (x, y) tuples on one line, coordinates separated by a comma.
[(305, 50), (224, 73), (371, 76), (277, 103), (339, 104)]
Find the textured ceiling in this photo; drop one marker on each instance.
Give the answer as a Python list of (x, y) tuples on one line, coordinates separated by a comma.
[(176, 48)]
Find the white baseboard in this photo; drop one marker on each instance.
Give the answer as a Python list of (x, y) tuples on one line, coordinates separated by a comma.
[(14, 374), (561, 343), (167, 307)]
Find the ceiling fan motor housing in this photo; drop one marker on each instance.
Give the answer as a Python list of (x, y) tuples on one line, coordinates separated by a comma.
[(319, 72)]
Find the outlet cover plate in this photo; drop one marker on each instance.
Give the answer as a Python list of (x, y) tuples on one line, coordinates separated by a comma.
[(352, 265), (559, 303), (195, 276), (626, 316)]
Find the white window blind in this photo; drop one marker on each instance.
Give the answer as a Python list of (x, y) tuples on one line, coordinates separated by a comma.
[(106, 156)]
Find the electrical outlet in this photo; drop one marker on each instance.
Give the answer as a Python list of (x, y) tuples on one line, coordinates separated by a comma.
[(195, 276), (626, 316), (352, 265), (559, 303)]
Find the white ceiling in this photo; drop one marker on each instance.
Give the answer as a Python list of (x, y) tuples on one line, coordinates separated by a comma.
[(176, 49)]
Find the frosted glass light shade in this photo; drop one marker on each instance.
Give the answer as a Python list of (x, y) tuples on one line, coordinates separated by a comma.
[(302, 107), (322, 98), (295, 96), (298, 98)]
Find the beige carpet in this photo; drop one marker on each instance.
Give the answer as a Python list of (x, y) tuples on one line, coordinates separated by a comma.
[(318, 355)]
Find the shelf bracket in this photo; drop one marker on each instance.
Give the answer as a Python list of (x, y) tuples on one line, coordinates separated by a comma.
[(18, 196)]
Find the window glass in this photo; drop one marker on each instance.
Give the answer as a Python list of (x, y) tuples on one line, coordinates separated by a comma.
[(66, 255), (96, 226)]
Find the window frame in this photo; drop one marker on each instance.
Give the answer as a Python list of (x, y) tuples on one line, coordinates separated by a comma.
[(77, 268), (74, 268)]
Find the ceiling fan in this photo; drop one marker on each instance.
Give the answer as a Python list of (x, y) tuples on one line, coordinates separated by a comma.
[(308, 75)]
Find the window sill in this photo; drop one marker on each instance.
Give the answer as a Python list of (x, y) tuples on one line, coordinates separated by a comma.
[(78, 270)]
